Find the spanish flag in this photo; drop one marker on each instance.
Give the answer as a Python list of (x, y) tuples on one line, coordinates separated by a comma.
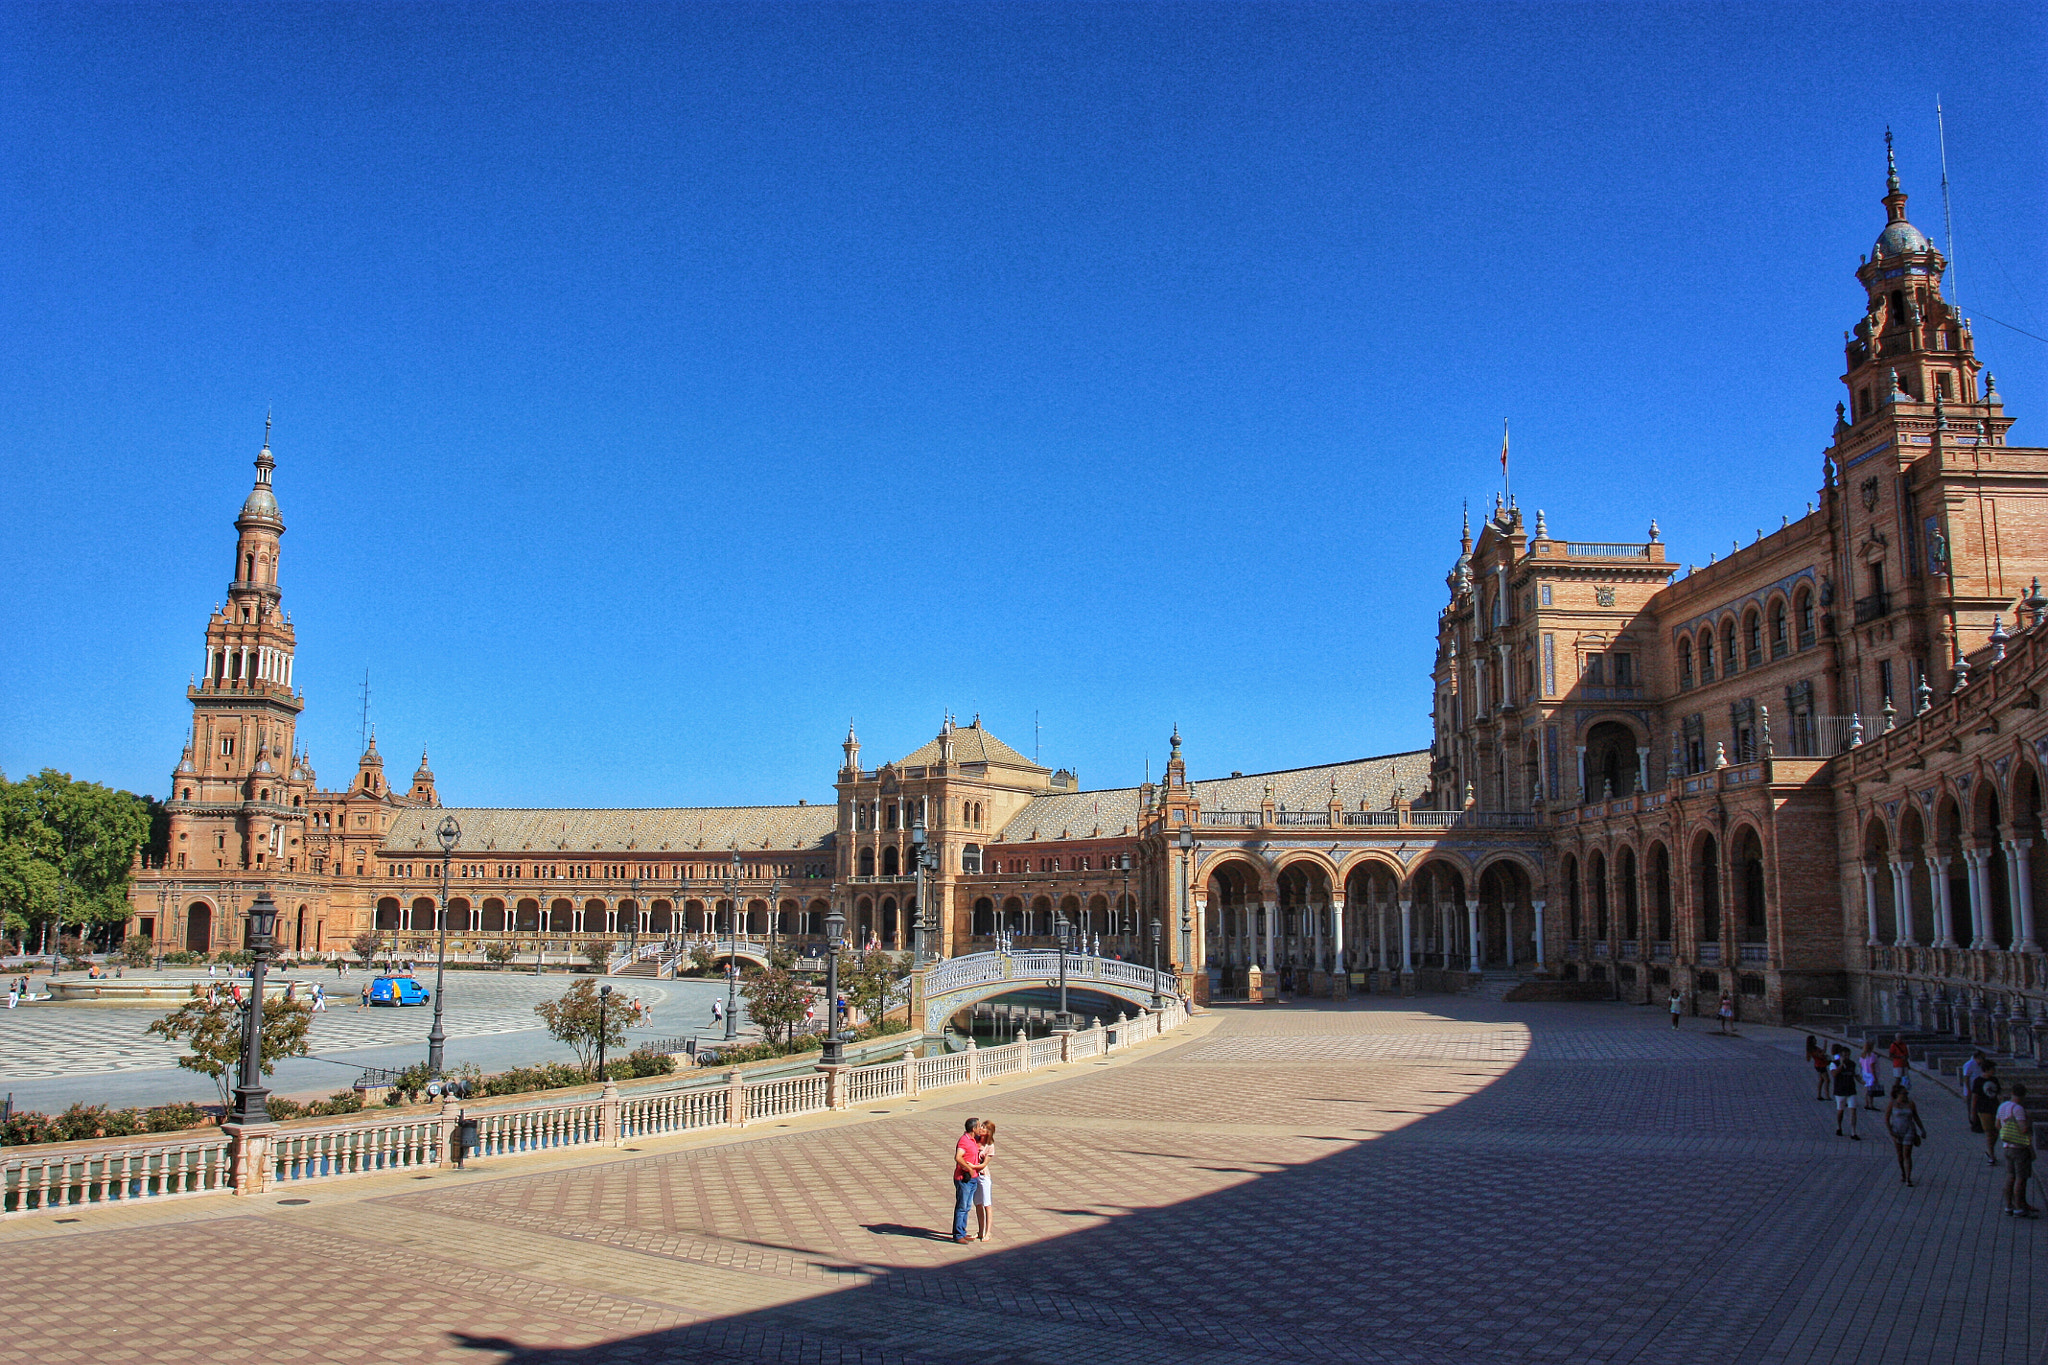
[(1503, 447)]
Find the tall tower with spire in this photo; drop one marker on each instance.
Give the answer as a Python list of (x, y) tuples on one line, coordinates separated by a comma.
[(238, 798)]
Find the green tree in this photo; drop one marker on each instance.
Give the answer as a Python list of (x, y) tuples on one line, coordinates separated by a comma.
[(579, 1019), (776, 1000), (138, 950), (500, 951), (702, 962), (596, 952), (212, 1034), (366, 947), (65, 851), (869, 980)]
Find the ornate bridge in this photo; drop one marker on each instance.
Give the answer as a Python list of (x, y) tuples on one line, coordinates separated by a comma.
[(953, 985)]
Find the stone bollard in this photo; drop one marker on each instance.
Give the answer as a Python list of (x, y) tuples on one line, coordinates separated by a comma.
[(973, 1062), (448, 1120), (607, 1115), (1066, 1037), (735, 1099), (835, 1087), (910, 1091)]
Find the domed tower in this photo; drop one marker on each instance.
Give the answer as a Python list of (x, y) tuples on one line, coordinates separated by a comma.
[(237, 800), (423, 792)]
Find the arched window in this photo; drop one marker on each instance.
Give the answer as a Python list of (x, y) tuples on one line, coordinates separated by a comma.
[(1803, 610), (1571, 897), (867, 862), (1752, 639), (1730, 661), (1685, 662), (1779, 643), (1707, 656), (890, 865), (970, 858)]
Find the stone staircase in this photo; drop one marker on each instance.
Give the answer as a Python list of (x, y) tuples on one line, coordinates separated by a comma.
[(1493, 984), (646, 966)]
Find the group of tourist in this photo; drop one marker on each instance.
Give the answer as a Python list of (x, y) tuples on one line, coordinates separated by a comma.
[(2001, 1118)]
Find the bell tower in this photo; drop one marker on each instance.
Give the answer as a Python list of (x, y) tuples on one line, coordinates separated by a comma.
[(238, 795)]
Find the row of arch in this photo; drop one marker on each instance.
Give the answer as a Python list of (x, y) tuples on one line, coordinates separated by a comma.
[(562, 915), (1777, 628), (1951, 878), (1618, 894)]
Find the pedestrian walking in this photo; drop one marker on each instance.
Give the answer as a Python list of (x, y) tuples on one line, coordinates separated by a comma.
[(966, 1177), (363, 1000), (319, 999), (1902, 1121), (1866, 1071), (1817, 1058), (1970, 1069), (1902, 1062), (1677, 1005), (1842, 1070), (717, 1011), (2016, 1132), (1985, 1093), (13, 997), (1726, 1011), (984, 1192)]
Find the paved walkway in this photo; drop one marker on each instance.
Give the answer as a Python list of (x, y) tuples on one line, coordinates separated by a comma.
[(1431, 1180)]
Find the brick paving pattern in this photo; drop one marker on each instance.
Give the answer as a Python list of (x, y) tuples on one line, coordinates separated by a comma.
[(1434, 1181)]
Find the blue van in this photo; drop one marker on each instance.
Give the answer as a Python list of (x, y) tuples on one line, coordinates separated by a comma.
[(398, 990)]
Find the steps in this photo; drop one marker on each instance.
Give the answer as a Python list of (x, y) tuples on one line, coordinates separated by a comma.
[(646, 966), (1494, 985)]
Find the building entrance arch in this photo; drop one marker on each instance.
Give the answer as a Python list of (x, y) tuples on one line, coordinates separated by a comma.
[(199, 928)]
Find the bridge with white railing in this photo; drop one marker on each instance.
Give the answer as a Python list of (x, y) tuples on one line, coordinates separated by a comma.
[(959, 982)]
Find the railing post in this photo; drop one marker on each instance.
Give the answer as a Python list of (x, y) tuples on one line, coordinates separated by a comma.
[(836, 1096), (735, 1099), (1066, 1037), (608, 1116), (973, 1062), (446, 1144), (909, 1077), (249, 1156)]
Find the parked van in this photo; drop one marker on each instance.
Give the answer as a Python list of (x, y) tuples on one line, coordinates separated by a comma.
[(398, 990)]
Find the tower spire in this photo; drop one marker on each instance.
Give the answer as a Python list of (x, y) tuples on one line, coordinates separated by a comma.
[(1891, 165)]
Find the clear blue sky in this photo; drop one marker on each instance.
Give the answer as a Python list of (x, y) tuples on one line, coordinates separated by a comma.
[(657, 387)]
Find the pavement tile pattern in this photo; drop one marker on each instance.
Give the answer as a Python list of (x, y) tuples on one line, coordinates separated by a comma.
[(1428, 1181)]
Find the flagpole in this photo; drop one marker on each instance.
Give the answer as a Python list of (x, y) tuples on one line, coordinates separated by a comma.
[(1507, 488)]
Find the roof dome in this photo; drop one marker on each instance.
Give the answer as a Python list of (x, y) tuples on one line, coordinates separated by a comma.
[(1899, 238), (260, 503)]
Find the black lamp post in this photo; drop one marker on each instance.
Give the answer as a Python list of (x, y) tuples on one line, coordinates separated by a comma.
[(604, 1000), (732, 935), (1187, 872), (1157, 1002), (449, 833), (835, 925), (1063, 930), (918, 852), (251, 1098), (1126, 917)]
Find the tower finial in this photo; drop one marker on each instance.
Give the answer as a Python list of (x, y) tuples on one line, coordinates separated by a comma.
[(1891, 165), (266, 428)]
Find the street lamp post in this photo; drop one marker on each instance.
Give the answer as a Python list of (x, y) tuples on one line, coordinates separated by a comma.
[(1063, 929), (251, 1098), (1187, 872), (604, 1000), (1157, 1002), (835, 925), (449, 833), (1126, 918), (732, 935)]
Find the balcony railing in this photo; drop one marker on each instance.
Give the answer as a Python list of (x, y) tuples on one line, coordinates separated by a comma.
[(1873, 607), (1628, 948), (1606, 550), (1601, 949), (1660, 951), (1756, 952), (1710, 953)]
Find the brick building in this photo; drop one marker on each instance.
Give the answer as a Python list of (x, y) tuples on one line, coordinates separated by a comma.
[(1812, 768)]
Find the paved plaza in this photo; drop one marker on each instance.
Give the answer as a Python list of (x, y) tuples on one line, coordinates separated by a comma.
[(52, 1053), (1432, 1180)]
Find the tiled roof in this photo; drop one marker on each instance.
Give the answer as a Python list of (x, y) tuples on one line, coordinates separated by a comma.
[(1371, 780), (642, 833), (971, 744)]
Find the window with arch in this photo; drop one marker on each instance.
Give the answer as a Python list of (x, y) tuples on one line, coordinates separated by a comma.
[(1707, 655), (1685, 662), (1730, 660), (970, 858), (1779, 641), (1802, 611), (1752, 639)]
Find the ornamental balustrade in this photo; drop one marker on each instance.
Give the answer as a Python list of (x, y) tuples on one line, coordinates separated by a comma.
[(260, 1157)]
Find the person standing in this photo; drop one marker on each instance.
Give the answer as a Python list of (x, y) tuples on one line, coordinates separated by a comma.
[(1817, 1058), (363, 1000), (984, 1192), (1985, 1093), (1866, 1071), (1677, 1005), (1902, 1062), (2016, 1132), (1843, 1072), (966, 1177), (1970, 1070), (1726, 1011), (1902, 1121)]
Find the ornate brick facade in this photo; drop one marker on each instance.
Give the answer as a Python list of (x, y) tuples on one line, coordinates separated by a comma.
[(1810, 769)]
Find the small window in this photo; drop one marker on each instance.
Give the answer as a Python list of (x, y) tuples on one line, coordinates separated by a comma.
[(970, 858), (1590, 673), (1707, 656), (1624, 670), (227, 746), (1728, 655), (1685, 663), (1805, 614), (1544, 593)]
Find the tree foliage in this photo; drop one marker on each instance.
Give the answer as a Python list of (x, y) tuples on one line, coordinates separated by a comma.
[(366, 946), (65, 850), (869, 981), (500, 951), (776, 1000), (596, 952), (212, 1033), (579, 1019)]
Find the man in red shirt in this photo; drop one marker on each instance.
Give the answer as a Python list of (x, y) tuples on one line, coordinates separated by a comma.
[(966, 1170)]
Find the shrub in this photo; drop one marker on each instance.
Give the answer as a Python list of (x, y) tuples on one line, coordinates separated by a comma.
[(500, 952), (138, 950), (282, 1109), (83, 1121), (172, 1118)]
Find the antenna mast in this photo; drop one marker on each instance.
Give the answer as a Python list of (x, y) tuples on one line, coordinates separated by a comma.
[(1948, 221), (363, 740)]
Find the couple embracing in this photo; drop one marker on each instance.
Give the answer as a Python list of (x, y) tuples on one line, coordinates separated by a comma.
[(971, 1190)]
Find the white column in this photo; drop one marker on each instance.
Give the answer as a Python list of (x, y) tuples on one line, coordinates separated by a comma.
[(1980, 896), (1408, 935), (1272, 909), (1869, 900), (1538, 906), (1944, 913), (1902, 899), (1337, 914), (1507, 928), (1316, 937), (2020, 886), (1472, 934), (1584, 795), (1379, 931), (1642, 769)]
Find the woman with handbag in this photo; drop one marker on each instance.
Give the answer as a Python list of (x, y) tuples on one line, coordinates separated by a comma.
[(1902, 1120)]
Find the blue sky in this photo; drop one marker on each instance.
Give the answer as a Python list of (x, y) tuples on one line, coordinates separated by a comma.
[(658, 387)]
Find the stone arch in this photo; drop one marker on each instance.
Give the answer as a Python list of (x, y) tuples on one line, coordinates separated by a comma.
[(1098, 914), (493, 921), (1013, 915), (561, 916), (1438, 908), (863, 919), (2025, 805), (888, 926), (1597, 898), (1507, 912), (1628, 885), (459, 917), (199, 927), (527, 916), (695, 920), (983, 924), (1912, 854), (661, 917), (1612, 763), (1987, 834), (1070, 907), (1372, 893), (814, 916), (1706, 887), (1041, 917), (390, 915), (1233, 914), (1777, 625), (1750, 882), (1662, 900), (595, 917)]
